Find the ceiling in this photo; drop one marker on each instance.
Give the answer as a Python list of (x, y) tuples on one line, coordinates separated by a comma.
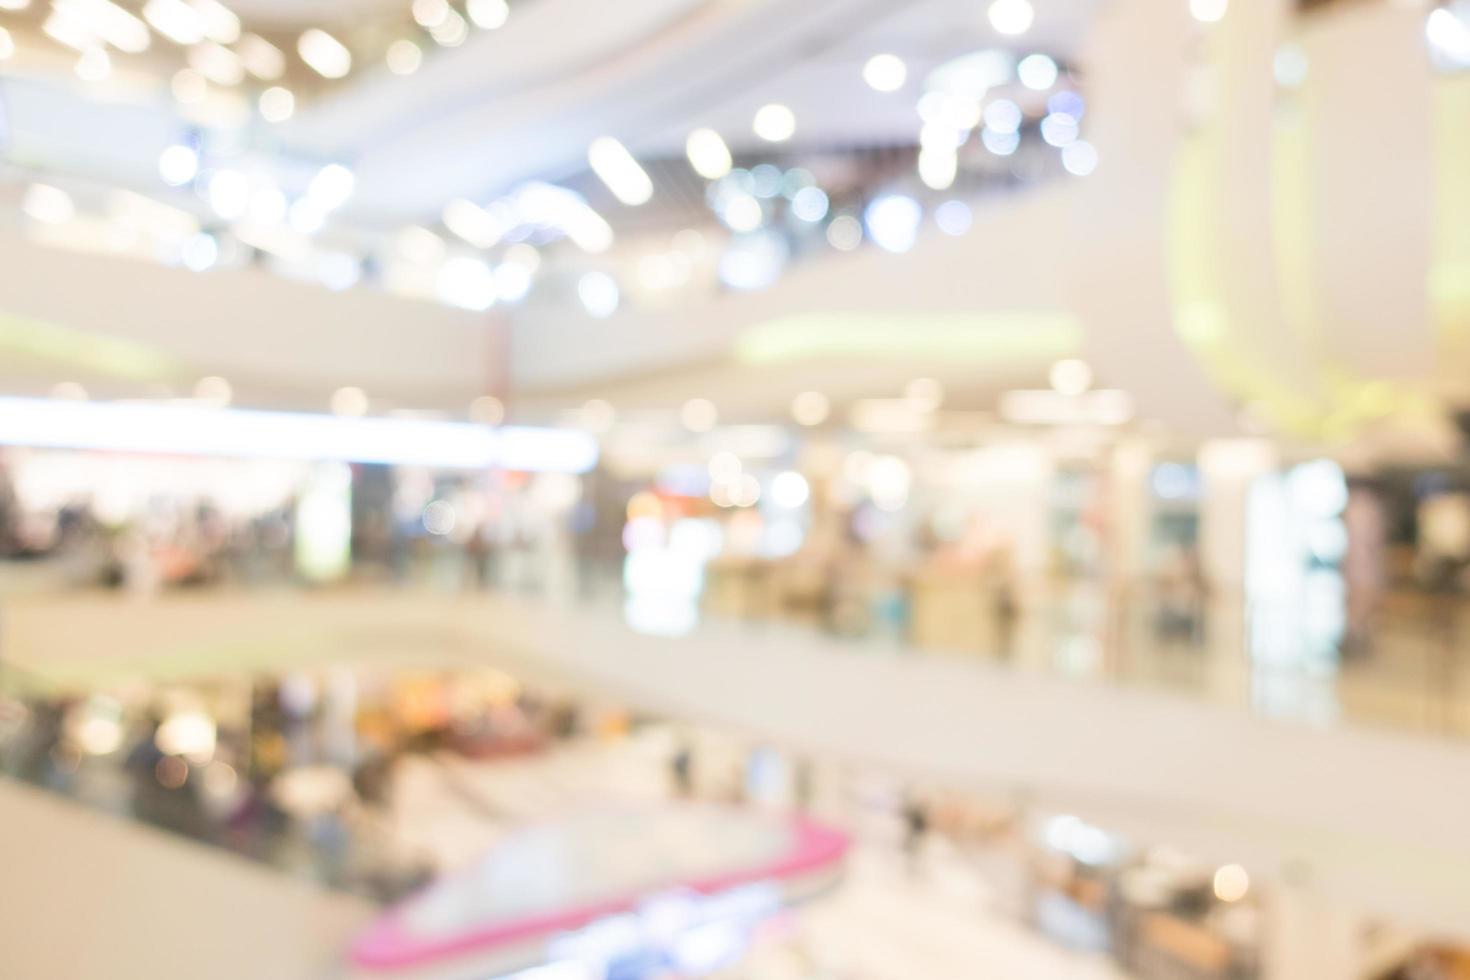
[(523, 102), (1269, 247)]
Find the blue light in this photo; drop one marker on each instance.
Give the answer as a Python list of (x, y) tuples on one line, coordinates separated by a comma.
[(1068, 103)]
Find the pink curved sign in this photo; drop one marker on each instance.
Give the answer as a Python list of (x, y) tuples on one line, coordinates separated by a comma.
[(549, 881)]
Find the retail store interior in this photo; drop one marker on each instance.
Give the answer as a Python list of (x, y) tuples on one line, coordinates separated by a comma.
[(735, 489)]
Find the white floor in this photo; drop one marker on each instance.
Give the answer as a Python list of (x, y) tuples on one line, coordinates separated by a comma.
[(889, 919)]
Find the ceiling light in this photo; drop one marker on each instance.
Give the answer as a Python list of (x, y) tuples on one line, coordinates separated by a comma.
[(845, 233), (277, 104), (1070, 377), (267, 206), (217, 63), (766, 180), (810, 204), (305, 217), (94, 65), (938, 167), (175, 20), (885, 72), (754, 261), (69, 29), (523, 255), (661, 270), (708, 154), (452, 31), (1449, 38), (261, 58), (956, 112), (539, 203), (972, 76), (612, 162), (512, 281), (893, 221), (599, 294), (889, 417), (488, 14), (430, 13), (1011, 17), (152, 219), (1208, 11), (199, 252), (938, 136), (1290, 65), (953, 217), (1003, 116), (106, 21), (1068, 102), (220, 23), (14, 4), (1001, 144), (420, 245), (189, 87), (229, 193), (473, 223), (331, 187), (404, 57), (789, 490), (466, 282), (326, 55), (178, 164), (1079, 158), (1059, 129), (774, 123), (742, 213), (1037, 72), (699, 415), (48, 205), (1231, 883), (810, 408), (724, 467)]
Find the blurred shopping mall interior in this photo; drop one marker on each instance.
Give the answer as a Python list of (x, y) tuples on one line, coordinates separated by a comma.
[(735, 489)]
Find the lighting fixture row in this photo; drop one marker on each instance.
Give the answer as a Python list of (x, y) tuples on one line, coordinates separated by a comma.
[(220, 52)]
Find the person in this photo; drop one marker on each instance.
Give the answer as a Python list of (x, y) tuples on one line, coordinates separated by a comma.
[(682, 769), (916, 826), (36, 757), (373, 780), (1364, 565), (165, 792)]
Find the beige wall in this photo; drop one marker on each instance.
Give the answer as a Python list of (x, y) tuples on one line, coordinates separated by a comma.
[(88, 896), (266, 334)]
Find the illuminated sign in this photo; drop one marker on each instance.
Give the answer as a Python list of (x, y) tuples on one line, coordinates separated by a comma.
[(685, 931), (148, 427)]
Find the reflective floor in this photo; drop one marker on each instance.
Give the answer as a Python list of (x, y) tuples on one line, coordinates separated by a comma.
[(299, 793), (1407, 667)]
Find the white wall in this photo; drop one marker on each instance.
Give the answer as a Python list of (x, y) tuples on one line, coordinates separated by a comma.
[(258, 329)]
